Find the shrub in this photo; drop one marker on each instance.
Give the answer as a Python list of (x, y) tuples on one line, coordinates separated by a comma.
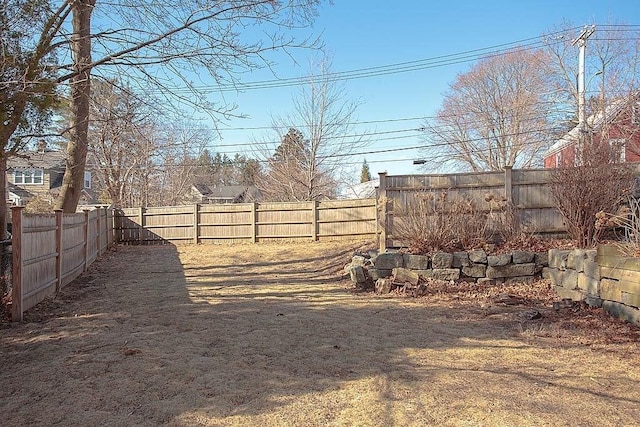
[(595, 185), (626, 219), (434, 221)]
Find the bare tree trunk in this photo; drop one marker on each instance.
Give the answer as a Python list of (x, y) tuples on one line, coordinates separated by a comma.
[(73, 180), (4, 193)]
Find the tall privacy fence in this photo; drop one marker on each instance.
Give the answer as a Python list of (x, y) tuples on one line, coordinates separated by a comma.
[(526, 189), (248, 222), (50, 250)]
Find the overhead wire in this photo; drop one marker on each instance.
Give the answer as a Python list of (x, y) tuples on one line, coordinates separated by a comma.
[(400, 67)]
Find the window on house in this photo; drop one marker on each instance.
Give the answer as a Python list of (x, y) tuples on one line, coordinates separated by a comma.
[(87, 179), (28, 176), (558, 159), (635, 114), (617, 150)]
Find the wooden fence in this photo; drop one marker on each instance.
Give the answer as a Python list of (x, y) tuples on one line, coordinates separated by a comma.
[(248, 222), (50, 250), (527, 189)]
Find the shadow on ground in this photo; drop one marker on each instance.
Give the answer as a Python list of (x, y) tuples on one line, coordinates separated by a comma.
[(160, 335)]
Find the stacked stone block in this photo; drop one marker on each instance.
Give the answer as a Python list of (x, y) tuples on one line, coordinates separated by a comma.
[(475, 265), (596, 277)]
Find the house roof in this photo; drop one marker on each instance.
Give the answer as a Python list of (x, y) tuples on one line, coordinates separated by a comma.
[(364, 190), (225, 192), (38, 159), (594, 124), (18, 191)]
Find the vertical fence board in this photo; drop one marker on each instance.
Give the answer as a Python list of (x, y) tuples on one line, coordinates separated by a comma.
[(49, 251)]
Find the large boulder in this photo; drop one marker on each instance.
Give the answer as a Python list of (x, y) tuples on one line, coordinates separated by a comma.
[(511, 270), (522, 257), (478, 256), (403, 275), (441, 260), (461, 259), (499, 260), (558, 258), (474, 270), (388, 261), (416, 262)]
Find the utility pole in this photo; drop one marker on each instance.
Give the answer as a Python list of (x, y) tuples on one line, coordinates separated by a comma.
[(581, 41)]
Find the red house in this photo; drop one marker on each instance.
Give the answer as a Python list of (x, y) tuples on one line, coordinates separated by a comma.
[(618, 126)]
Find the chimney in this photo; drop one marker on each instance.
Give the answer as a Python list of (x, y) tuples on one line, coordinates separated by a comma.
[(42, 146)]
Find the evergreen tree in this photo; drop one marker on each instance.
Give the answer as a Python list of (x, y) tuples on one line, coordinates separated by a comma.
[(365, 175)]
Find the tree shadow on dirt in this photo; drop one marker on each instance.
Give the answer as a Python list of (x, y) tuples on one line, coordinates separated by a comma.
[(141, 340)]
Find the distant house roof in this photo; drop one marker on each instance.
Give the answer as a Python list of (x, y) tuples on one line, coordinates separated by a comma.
[(38, 159), (18, 191), (594, 124), (227, 193), (364, 190), (203, 189)]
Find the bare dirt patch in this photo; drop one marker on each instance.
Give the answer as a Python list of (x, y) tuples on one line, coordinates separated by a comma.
[(274, 335)]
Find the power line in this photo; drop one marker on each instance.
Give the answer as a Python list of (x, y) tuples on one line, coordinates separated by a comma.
[(400, 67)]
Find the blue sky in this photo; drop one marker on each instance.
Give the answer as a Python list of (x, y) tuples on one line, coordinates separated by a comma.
[(364, 34)]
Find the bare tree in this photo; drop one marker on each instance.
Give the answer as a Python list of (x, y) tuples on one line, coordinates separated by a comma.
[(308, 164), (293, 175), (158, 44), (494, 115), (79, 90), (141, 156)]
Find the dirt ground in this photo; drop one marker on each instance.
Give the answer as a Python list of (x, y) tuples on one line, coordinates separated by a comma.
[(273, 335)]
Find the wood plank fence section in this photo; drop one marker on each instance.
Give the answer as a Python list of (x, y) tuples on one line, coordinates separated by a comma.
[(527, 189), (51, 250), (248, 222)]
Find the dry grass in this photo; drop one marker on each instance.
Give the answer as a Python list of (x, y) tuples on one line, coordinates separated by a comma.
[(272, 335)]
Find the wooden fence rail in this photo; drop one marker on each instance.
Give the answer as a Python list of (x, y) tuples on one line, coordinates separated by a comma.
[(51, 250), (248, 222)]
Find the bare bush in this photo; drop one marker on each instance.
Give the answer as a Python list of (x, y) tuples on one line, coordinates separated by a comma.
[(505, 222), (435, 221), (628, 220), (594, 184)]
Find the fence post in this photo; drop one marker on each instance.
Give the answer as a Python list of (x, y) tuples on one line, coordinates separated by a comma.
[(98, 232), (382, 205), (86, 240), (508, 183), (111, 227), (106, 226), (16, 268), (314, 213), (59, 249), (196, 227), (141, 224), (118, 232), (254, 222)]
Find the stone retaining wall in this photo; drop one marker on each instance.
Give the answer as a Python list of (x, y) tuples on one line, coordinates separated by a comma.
[(475, 265), (602, 278)]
